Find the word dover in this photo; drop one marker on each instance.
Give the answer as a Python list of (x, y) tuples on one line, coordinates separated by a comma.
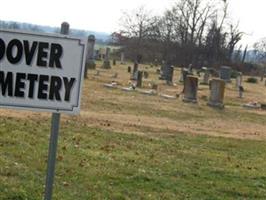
[(33, 54)]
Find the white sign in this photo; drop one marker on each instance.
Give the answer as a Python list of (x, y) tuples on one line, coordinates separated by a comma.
[(41, 72)]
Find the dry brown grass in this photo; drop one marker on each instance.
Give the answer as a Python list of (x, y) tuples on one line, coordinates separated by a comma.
[(132, 112)]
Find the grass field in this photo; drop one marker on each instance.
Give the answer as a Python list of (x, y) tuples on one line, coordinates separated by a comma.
[(132, 146)]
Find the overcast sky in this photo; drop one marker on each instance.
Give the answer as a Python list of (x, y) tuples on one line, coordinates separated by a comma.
[(103, 15)]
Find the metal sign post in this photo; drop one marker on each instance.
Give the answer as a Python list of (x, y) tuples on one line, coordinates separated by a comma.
[(52, 156), (53, 141)]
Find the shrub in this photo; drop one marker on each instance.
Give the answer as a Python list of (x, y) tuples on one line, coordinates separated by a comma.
[(252, 80), (234, 74)]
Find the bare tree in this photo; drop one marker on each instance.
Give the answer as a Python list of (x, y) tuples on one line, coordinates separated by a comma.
[(260, 50), (234, 38), (138, 27), (192, 31)]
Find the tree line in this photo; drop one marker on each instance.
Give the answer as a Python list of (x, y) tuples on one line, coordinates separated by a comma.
[(100, 37), (197, 32)]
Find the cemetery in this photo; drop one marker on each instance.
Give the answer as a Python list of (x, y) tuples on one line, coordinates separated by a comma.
[(136, 145), (167, 108)]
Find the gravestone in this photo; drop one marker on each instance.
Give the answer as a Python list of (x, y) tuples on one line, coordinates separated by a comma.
[(90, 64), (240, 91), (184, 74), (239, 80), (190, 89), (155, 62), (122, 58), (162, 72), (181, 77), (262, 74), (106, 63), (139, 79), (206, 76), (154, 86), (217, 88), (135, 72), (190, 68), (145, 74), (115, 75), (97, 73), (129, 69), (225, 73), (169, 72)]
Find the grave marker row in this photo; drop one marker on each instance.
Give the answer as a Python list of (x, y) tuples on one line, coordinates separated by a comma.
[(217, 88)]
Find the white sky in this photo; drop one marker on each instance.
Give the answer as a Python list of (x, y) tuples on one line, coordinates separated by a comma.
[(103, 15)]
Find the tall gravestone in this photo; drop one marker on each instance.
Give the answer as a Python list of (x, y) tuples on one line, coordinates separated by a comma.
[(139, 78), (217, 88), (90, 64), (190, 89), (114, 62), (122, 59), (106, 63), (184, 74), (129, 69), (169, 74), (225, 73), (239, 80), (162, 71), (262, 73), (181, 77), (134, 75), (206, 76)]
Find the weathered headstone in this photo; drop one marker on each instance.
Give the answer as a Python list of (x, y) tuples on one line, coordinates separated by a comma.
[(115, 75), (145, 74), (129, 69), (106, 63), (262, 74), (190, 68), (122, 59), (139, 79), (154, 86), (166, 96), (239, 80), (97, 73), (148, 92), (90, 64), (217, 88), (169, 74), (184, 74), (240, 91), (190, 89), (206, 76), (155, 63), (181, 77), (162, 72), (167, 71), (114, 62), (225, 73), (135, 71)]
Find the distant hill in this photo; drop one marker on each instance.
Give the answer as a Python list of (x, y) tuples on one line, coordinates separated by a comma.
[(101, 38)]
